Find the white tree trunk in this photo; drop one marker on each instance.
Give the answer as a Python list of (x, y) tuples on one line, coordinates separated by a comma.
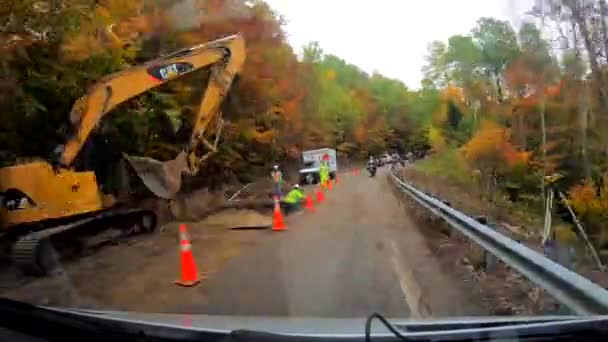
[(543, 147)]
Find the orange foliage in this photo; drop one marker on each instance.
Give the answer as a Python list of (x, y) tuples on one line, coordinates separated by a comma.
[(584, 199), (589, 204), (490, 148), (518, 75), (452, 93), (360, 133), (514, 157), (533, 99)]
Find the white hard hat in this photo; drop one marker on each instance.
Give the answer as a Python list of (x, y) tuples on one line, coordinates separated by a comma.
[(297, 186), (276, 167)]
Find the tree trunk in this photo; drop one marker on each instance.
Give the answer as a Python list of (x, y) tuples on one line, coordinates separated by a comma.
[(591, 53), (583, 125), (593, 56), (498, 87), (522, 131), (603, 25), (543, 147)]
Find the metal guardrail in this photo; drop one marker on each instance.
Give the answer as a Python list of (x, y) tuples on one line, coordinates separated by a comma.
[(574, 291)]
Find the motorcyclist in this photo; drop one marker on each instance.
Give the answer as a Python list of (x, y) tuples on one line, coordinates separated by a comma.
[(371, 166)]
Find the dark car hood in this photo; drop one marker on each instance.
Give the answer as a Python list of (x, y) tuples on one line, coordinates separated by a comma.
[(303, 325)]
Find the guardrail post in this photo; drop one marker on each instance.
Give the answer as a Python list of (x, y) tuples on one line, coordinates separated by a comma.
[(558, 252), (489, 260)]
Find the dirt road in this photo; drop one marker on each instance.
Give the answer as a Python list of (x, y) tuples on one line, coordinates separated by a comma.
[(358, 253)]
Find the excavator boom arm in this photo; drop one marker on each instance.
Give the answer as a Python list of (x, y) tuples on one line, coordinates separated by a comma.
[(225, 56)]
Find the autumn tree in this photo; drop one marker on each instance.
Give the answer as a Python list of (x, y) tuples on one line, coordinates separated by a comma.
[(498, 44)]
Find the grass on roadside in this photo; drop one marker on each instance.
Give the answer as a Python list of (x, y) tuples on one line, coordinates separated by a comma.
[(447, 165), (448, 175)]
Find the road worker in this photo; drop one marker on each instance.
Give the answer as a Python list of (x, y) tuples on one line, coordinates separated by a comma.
[(293, 199), (277, 179), (324, 170)]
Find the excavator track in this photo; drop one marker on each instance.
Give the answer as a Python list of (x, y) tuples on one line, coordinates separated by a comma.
[(37, 254)]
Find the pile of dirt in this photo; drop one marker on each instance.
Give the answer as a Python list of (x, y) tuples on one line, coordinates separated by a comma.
[(238, 219), (199, 204)]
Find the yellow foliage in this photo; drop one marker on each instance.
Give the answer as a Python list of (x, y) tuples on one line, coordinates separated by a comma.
[(436, 139), (453, 95), (111, 25), (81, 47), (331, 75)]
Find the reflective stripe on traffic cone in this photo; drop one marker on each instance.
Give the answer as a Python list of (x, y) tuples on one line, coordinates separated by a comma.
[(190, 275), (278, 224)]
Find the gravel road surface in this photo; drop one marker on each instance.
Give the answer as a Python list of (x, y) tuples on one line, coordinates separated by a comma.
[(358, 253)]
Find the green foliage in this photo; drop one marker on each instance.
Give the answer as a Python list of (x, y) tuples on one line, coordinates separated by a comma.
[(518, 112), (435, 70), (447, 164), (498, 43)]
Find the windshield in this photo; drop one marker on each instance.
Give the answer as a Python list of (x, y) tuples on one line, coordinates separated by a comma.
[(150, 156)]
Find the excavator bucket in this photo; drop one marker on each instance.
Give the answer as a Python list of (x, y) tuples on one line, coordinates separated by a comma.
[(164, 179)]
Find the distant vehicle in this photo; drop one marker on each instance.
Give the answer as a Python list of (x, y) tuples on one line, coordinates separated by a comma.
[(385, 159), (309, 174)]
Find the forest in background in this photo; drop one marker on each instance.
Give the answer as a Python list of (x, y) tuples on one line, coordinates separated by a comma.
[(527, 108), (283, 102), (498, 106)]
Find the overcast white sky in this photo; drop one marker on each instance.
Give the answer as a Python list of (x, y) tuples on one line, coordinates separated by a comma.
[(388, 36)]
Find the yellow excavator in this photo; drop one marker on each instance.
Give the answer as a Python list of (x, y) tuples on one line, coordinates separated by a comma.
[(44, 204)]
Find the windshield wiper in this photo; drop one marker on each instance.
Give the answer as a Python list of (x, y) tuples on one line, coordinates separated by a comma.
[(566, 329)]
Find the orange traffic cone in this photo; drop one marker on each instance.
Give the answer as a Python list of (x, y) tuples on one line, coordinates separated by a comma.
[(278, 224), (329, 185), (320, 197), (308, 204), (190, 275)]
